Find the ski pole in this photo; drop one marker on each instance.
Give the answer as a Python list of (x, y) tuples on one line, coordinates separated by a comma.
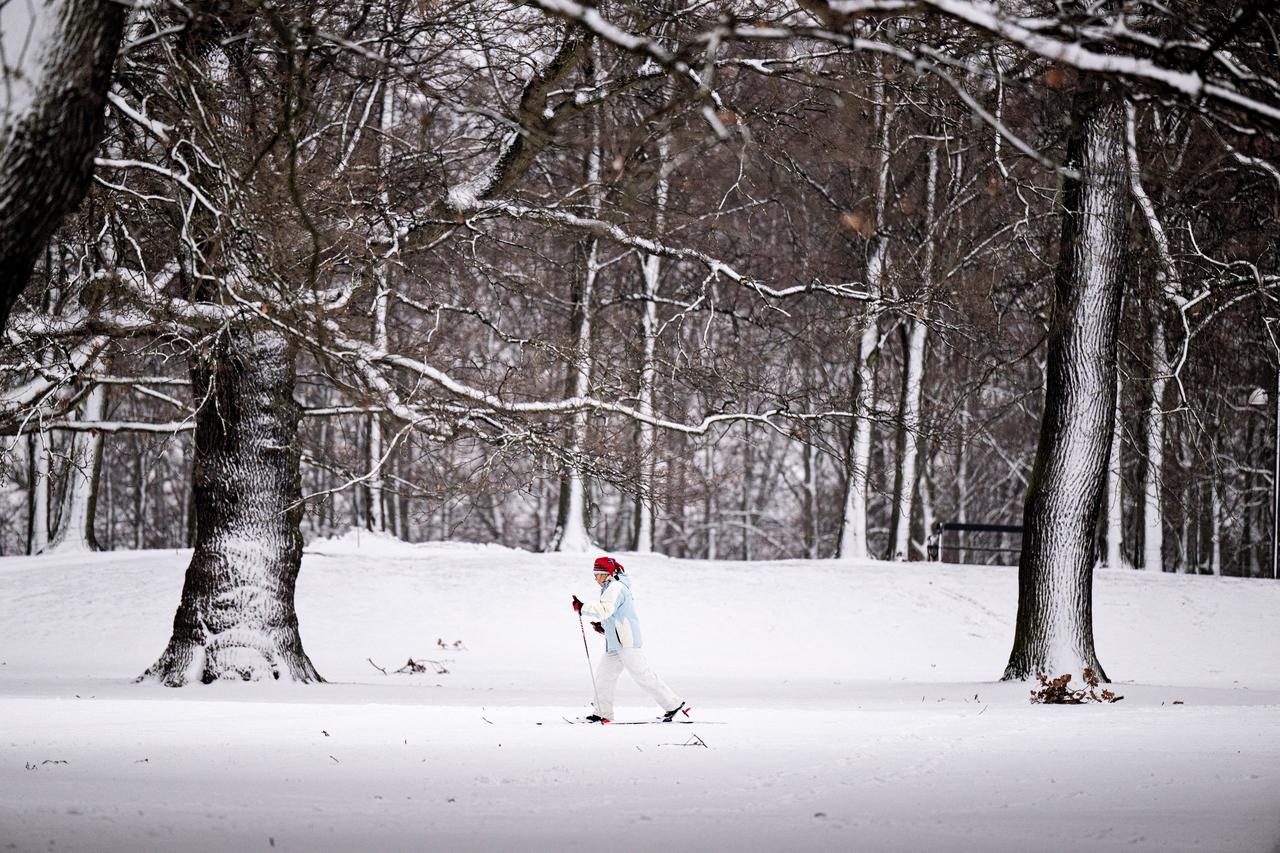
[(590, 668)]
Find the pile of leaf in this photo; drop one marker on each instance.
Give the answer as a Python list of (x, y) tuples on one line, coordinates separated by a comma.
[(1059, 690)]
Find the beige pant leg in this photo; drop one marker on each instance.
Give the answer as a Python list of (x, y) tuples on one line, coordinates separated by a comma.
[(607, 683), (638, 665)]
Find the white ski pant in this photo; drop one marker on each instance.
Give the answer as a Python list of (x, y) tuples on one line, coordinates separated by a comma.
[(634, 662)]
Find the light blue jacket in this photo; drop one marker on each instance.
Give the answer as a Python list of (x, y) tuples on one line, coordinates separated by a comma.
[(616, 612)]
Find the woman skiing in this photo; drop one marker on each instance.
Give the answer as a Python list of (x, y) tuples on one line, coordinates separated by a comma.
[(615, 615)]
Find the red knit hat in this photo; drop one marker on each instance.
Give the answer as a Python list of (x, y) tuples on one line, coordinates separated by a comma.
[(607, 566)]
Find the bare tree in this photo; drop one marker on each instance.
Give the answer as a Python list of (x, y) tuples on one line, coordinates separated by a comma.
[(1054, 629)]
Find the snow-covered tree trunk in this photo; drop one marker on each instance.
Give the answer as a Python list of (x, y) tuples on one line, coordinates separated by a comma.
[(1153, 481), (236, 619), (648, 371), (853, 533), (80, 494), (904, 482), (142, 474), (1215, 526), (745, 503), (38, 528), (962, 477), (1192, 506), (710, 515), (810, 508), (404, 519), (376, 515), (56, 71), (571, 521), (1115, 488), (926, 504), (1167, 281), (1054, 630)]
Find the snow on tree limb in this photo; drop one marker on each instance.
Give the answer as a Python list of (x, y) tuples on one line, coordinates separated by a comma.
[(716, 267)]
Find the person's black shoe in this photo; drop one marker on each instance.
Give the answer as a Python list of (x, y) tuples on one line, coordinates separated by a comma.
[(596, 718)]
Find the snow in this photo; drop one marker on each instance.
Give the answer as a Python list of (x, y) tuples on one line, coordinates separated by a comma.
[(857, 700), (464, 197)]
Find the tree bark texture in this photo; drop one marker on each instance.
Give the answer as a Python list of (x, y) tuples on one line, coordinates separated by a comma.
[(909, 422), (571, 517), (38, 503), (51, 122), (571, 514), (1115, 490), (1153, 481), (80, 493), (237, 618), (645, 501), (853, 531), (1054, 630)]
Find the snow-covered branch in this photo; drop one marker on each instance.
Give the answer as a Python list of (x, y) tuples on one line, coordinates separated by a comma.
[(715, 266)]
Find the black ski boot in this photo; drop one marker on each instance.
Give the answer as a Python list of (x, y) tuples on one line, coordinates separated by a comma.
[(677, 715)]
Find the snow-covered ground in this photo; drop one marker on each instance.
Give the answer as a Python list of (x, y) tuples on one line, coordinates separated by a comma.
[(846, 706)]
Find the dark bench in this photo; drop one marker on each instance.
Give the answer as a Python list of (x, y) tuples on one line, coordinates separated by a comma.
[(936, 543)]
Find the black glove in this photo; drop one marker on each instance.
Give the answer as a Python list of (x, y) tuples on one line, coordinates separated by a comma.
[(577, 605), (598, 627)]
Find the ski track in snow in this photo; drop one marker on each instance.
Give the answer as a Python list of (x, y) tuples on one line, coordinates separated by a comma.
[(858, 700)]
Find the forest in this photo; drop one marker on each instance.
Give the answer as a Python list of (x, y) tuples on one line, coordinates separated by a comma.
[(717, 280)]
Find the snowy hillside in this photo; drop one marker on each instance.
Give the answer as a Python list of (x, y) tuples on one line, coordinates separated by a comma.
[(854, 703)]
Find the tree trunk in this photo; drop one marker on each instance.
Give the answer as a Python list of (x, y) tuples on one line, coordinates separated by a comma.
[(710, 514), (744, 504), (809, 498), (62, 52), (375, 514), (570, 532), (962, 478), (904, 484), (571, 519), (237, 618), (192, 513), (1249, 510), (109, 493), (853, 533), (376, 517), (142, 473), (926, 504), (38, 527), (80, 495), (1054, 630), (1192, 505), (905, 479), (404, 522), (645, 498), (1215, 525), (1153, 484), (648, 333), (1115, 489)]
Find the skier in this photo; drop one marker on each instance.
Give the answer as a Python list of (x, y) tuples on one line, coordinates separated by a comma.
[(618, 622)]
